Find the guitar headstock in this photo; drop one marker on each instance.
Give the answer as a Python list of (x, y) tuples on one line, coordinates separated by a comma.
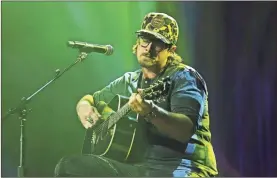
[(157, 90)]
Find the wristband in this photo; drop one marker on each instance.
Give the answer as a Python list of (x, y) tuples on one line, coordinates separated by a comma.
[(152, 114), (85, 99)]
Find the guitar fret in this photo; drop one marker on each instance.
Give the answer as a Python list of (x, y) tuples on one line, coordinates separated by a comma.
[(116, 116)]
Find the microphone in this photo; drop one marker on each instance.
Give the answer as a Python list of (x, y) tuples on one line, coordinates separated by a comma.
[(86, 47)]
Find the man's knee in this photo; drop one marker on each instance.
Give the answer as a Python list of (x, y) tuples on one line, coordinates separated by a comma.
[(77, 165), (68, 166), (60, 167)]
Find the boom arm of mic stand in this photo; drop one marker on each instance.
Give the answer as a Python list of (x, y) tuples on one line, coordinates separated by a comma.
[(24, 100), (22, 111)]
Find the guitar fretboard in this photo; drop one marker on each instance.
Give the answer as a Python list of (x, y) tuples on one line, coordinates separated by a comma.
[(117, 115)]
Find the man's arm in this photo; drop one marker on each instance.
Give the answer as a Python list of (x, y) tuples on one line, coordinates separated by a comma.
[(86, 112), (186, 104), (86, 105), (175, 125)]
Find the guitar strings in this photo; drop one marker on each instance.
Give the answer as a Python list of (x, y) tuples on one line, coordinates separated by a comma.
[(105, 123)]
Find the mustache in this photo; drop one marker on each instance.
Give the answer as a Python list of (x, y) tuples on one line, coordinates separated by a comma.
[(147, 55)]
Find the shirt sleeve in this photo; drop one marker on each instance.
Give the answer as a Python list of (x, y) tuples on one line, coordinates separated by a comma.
[(118, 86), (187, 96)]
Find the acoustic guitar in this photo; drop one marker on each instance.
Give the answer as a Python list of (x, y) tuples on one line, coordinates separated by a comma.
[(114, 136)]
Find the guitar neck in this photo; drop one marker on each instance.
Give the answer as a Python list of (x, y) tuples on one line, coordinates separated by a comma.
[(120, 113), (114, 118)]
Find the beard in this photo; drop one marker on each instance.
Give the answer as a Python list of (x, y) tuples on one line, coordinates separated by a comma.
[(147, 61)]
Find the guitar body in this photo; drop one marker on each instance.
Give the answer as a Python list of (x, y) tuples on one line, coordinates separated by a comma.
[(121, 134), (118, 142)]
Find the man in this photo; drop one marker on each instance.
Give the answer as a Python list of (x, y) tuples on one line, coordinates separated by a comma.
[(177, 128)]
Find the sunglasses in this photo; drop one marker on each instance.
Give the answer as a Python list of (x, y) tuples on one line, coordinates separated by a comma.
[(157, 44)]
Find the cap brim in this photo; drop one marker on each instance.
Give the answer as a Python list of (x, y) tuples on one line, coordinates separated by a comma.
[(157, 35)]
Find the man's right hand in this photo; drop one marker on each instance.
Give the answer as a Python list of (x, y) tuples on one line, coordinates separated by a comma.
[(87, 114)]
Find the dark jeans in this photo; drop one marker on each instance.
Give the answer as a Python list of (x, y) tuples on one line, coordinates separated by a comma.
[(98, 166)]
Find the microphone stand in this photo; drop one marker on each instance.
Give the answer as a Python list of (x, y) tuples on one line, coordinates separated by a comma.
[(22, 111)]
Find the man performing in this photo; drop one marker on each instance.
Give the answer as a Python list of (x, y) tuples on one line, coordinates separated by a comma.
[(172, 137)]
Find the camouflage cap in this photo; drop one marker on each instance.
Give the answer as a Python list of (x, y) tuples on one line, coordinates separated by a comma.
[(162, 26)]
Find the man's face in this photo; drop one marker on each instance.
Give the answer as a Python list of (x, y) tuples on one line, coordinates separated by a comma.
[(151, 51)]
